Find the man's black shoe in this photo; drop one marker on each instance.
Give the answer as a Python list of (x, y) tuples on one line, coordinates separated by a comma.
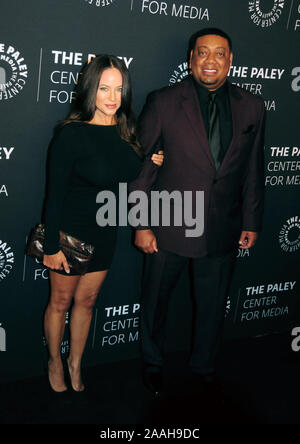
[(153, 380), (209, 388)]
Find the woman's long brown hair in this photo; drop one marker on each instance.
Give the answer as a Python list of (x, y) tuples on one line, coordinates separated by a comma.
[(83, 107)]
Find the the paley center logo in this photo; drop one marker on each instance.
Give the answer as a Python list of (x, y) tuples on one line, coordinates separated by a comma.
[(179, 73), (289, 236), (265, 13), (13, 71), (99, 3), (6, 259)]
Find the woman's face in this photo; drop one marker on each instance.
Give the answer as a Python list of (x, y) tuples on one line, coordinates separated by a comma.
[(109, 94)]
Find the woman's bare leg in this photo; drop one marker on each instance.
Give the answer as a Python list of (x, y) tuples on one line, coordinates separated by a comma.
[(62, 290), (84, 299)]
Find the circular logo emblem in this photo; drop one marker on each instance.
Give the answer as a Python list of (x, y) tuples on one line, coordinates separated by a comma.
[(179, 73), (13, 72), (99, 2), (265, 13), (289, 236), (6, 260)]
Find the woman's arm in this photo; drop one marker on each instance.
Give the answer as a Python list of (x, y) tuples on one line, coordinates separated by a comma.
[(60, 166)]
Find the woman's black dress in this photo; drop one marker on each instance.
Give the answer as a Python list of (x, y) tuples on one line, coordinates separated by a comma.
[(85, 159)]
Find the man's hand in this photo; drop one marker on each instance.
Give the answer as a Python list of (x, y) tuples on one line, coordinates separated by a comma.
[(247, 239), (146, 241), (56, 261)]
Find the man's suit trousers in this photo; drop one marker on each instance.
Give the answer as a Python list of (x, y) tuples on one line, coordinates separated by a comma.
[(210, 280)]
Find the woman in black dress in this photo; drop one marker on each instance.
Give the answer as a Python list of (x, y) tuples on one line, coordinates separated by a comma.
[(94, 149)]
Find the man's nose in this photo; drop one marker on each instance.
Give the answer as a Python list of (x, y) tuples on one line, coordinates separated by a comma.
[(211, 58)]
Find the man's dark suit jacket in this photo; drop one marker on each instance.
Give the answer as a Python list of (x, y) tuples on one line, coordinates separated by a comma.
[(233, 195)]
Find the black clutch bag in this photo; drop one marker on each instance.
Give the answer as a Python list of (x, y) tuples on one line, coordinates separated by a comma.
[(77, 252)]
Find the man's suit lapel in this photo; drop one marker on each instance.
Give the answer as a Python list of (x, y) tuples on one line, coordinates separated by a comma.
[(191, 108)]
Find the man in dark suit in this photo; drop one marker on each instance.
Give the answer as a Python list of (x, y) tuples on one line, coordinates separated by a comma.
[(212, 134)]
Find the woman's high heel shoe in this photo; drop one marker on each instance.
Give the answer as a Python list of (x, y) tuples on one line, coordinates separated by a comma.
[(70, 379), (58, 392)]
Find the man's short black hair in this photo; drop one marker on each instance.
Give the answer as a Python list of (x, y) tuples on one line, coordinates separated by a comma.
[(208, 31)]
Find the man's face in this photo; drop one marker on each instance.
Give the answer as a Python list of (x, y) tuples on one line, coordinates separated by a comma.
[(210, 61)]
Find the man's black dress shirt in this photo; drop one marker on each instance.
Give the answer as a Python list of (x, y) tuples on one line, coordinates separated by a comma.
[(223, 104)]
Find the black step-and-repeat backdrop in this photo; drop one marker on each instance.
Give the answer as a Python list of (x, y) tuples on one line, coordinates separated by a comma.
[(42, 48)]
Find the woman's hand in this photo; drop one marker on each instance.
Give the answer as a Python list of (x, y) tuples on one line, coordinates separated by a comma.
[(158, 158), (56, 261)]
